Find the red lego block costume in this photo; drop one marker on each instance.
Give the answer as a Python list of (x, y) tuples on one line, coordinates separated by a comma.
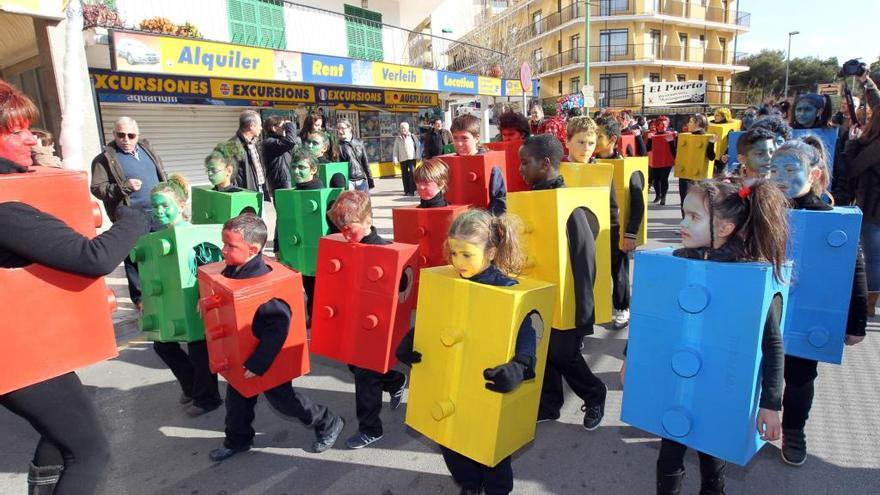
[(54, 322), (364, 298), (469, 177), (512, 178), (228, 307), (626, 140), (661, 151)]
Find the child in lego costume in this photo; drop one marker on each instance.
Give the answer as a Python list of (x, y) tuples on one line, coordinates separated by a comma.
[(73, 451), (485, 249), (466, 140), (754, 149), (317, 143), (431, 178), (731, 222), (721, 115), (606, 147), (243, 240), (696, 125), (811, 111), (802, 173), (540, 156), (190, 368), (659, 171), (221, 166), (352, 214)]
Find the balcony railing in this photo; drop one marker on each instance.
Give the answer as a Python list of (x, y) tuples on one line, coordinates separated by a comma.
[(610, 8), (631, 97), (646, 52)]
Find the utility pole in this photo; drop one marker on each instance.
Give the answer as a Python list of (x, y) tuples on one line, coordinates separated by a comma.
[(787, 60)]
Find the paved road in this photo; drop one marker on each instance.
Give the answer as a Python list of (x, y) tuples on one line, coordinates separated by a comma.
[(159, 450)]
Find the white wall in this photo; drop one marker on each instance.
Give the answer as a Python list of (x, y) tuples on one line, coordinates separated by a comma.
[(209, 16), (312, 31)]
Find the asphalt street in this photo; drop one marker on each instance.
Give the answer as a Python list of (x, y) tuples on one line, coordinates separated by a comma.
[(157, 449)]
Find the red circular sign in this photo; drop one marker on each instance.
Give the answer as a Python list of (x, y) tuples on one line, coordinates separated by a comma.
[(525, 77)]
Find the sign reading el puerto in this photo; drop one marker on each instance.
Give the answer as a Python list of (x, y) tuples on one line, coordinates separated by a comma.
[(150, 53)]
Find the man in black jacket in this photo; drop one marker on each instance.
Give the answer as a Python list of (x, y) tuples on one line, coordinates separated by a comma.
[(278, 143), (243, 239), (540, 156), (435, 139), (251, 172), (352, 151)]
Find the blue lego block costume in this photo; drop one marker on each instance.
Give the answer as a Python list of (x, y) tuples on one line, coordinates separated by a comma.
[(823, 248), (828, 135), (732, 140), (694, 358)]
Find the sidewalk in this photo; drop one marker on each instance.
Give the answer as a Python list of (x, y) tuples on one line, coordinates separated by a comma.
[(159, 450)]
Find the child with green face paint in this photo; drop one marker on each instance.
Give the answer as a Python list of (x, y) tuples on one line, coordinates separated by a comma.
[(221, 166), (169, 201), (304, 169), (317, 144)]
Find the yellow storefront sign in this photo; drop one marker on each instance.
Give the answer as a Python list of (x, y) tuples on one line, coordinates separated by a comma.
[(512, 87), (249, 90), (489, 86), (397, 76), (412, 99)]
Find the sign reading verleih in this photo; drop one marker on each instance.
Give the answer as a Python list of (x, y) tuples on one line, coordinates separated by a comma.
[(664, 94)]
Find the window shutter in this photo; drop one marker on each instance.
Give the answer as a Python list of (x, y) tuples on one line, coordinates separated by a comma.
[(364, 32), (257, 23)]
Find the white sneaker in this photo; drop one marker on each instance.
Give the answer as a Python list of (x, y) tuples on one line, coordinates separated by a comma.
[(620, 319)]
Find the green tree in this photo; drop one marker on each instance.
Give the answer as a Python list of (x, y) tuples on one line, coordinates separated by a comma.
[(766, 74), (807, 72)]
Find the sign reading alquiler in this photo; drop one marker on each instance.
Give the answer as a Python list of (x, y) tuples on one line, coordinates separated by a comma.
[(172, 55), (675, 93)]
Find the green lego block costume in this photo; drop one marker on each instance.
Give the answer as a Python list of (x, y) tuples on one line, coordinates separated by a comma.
[(210, 206), (167, 262), (326, 171), (302, 220)]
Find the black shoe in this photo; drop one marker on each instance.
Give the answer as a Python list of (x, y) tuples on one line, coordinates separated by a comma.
[(223, 453), (656, 199), (195, 411), (397, 395), (184, 399), (327, 441), (593, 414), (794, 446), (544, 416), (669, 484), (663, 201)]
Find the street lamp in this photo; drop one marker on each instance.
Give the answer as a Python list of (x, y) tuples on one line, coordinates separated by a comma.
[(787, 60)]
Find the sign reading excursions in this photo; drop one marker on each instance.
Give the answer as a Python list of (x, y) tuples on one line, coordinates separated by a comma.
[(675, 93)]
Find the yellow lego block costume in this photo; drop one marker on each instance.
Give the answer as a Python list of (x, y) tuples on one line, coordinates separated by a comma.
[(624, 168), (721, 131), (545, 214), (458, 339), (586, 174), (690, 157)]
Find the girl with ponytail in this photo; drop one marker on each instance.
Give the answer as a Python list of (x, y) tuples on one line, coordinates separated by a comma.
[(486, 249), (733, 222), (169, 201)]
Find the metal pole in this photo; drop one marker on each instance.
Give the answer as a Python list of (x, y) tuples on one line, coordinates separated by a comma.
[(787, 60), (587, 52)]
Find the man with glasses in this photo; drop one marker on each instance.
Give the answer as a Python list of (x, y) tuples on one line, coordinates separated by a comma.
[(125, 173)]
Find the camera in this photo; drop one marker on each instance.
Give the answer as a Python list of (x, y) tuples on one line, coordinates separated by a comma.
[(854, 67)]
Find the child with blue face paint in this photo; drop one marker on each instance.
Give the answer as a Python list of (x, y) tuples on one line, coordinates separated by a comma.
[(811, 111), (755, 148), (800, 169)]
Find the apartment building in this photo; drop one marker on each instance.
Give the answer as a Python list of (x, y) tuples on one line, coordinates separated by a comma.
[(631, 43)]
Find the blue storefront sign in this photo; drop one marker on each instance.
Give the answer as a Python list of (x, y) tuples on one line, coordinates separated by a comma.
[(328, 70), (456, 82)]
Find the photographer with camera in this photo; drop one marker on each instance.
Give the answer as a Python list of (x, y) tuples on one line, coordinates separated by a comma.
[(861, 161)]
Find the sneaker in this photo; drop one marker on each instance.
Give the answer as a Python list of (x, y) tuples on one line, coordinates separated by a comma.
[(184, 399), (620, 319), (794, 446), (224, 453), (360, 440), (593, 414), (542, 416), (195, 411), (397, 395), (328, 440)]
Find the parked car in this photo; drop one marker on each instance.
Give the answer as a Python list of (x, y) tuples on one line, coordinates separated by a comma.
[(136, 53)]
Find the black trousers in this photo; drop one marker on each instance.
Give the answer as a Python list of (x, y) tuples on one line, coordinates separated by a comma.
[(70, 433), (131, 268), (683, 192), (407, 167), (368, 388), (671, 461), (192, 371), (620, 295), (309, 288), (661, 180), (797, 399), (564, 360), (285, 401), (472, 475)]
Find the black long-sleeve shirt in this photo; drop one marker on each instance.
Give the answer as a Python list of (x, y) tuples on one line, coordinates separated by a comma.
[(582, 252), (28, 235), (857, 318), (772, 347), (271, 322)]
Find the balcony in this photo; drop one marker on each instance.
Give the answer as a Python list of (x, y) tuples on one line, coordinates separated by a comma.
[(624, 54), (632, 97), (620, 8)]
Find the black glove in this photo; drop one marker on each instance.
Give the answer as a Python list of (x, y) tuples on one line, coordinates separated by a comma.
[(507, 377), (405, 353), (370, 182), (497, 193)]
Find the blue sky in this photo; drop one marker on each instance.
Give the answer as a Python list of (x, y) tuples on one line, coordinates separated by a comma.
[(824, 29)]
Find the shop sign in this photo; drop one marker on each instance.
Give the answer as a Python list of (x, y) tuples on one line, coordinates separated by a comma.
[(321, 69), (262, 91), (456, 82)]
